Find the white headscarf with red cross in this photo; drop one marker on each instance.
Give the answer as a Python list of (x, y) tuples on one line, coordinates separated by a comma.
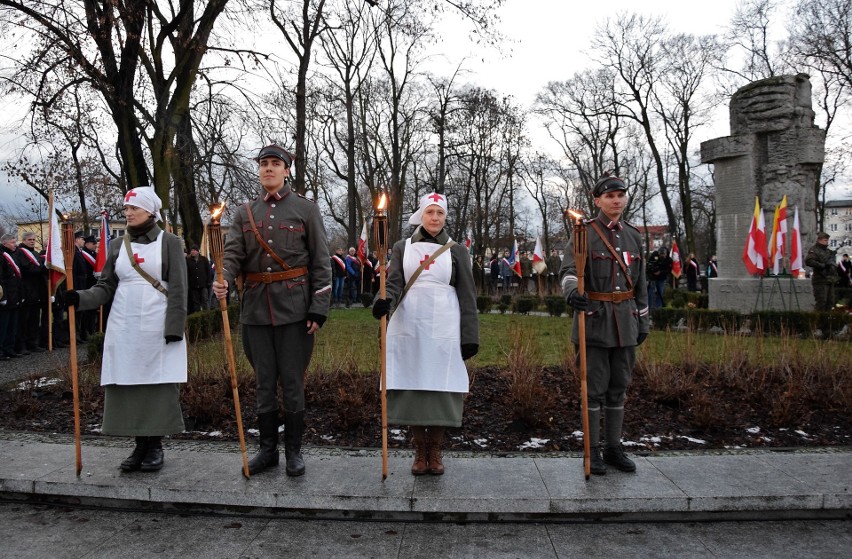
[(431, 199), (144, 197)]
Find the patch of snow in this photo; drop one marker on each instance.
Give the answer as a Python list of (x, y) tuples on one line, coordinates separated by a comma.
[(534, 443), (327, 437), (483, 443), (253, 432), (753, 430), (396, 434), (692, 440), (214, 434), (40, 382), (577, 434), (802, 434), (767, 439)]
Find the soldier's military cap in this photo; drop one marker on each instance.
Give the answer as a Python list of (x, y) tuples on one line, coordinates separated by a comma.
[(606, 184), (823, 235), (90, 239), (277, 152)]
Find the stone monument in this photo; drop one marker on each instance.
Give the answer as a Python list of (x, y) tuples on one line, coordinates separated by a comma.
[(774, 150)]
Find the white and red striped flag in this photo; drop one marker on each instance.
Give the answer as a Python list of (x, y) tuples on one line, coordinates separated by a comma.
[(103, 246), (54, 260), (779, 237), (677, 268), (796, 246), (362, 245), (754, 254), (538, 264)]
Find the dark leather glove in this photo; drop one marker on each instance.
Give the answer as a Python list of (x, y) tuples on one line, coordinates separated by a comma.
[(318, 318), (381, 307), (579, 302), (469, 350), (172, 338), (641, 338), (72, 298)]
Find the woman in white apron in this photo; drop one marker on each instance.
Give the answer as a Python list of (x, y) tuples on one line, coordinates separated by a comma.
[(433, 329), (144, 359)]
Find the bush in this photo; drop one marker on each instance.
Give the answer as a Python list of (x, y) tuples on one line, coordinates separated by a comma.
[(555, 305), (483, 303), (502, 307), (677, 298), (95, 347), (796, 323), (523, 304), (506, 300), (206, 324)]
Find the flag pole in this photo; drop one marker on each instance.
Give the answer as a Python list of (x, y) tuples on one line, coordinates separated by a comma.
[(68, 250), (217, 249), (580, 253), (380, 235)]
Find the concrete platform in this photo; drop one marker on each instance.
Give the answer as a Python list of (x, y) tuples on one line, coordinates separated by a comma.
[(346, 484)]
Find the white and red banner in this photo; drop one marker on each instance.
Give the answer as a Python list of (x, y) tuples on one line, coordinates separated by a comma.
[(779, 237), (796, 246), (362, 245), (538, 263), (677, 268), (103, 246), (754, 254), (54, 260)]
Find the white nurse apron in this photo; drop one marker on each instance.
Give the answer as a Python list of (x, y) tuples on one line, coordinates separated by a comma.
[(424, 333), (135, 349)]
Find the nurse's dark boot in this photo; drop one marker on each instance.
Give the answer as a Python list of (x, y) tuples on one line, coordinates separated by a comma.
[(267, 457), (134, 461), (153, 460), (294, 428)]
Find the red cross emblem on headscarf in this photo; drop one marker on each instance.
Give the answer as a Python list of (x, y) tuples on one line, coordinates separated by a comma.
[(137, 259), (129, 195), (435, 197), (425, 258)]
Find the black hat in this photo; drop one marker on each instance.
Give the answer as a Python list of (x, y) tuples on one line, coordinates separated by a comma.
[(823, 235), (194, 247), (79, 235), (275, 151), (90, 239), (607, 183)]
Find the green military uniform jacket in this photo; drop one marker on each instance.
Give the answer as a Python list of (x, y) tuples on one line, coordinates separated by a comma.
[(461, 279), (173, 272), (292, 227), (610, 324), (526, 267), (821, 259)]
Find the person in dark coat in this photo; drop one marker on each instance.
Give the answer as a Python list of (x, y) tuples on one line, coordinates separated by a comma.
[(659, 270), (10, 300), (693, 273), (824, 276), (144, 356), (199, 276), (712, 267), (844, 272), (33, 292), (433, 330), (615, 303), (287, 280)]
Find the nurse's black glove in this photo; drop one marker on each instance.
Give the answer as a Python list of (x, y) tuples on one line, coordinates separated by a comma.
[(318, 318), (72, 298), (172, 338), (579, 302), (469, 350), (641, 338), (381, 307)]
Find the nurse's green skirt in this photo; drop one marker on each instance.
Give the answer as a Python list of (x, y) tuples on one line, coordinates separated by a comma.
[(142, 410), (421, 407)]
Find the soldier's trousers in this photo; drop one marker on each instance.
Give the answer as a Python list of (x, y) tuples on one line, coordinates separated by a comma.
[(608, 373), (279, 355), (823, 296)]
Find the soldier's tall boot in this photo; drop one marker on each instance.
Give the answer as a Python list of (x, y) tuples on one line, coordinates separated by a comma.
[(614, 452), (134, 461), (294, 428), (597, 466), (435, 436), (421, 458), (267, 457)]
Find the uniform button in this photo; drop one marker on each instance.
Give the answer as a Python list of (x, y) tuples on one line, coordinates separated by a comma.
[(273, 205), (618, 289), (269, 241), (272, 217), (269, 269), (270, 227), (618, 248)]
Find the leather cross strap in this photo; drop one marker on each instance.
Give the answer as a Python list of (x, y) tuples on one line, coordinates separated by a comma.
[(157, 285), (423, 265), (261, 242), (615, 297), (614, 253), (270, 277)]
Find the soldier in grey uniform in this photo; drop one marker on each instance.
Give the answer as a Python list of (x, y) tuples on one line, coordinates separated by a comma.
[(616, 307), (279, 245), (822, 260)]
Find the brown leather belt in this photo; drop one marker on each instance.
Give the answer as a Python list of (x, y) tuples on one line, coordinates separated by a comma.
[(616, 297), (269, 277)]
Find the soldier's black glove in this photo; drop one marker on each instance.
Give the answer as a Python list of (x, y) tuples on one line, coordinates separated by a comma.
[(72, 298), (381, 307), (641, 338), (172, 338), (318, 318), (579, 302), (469, 350)]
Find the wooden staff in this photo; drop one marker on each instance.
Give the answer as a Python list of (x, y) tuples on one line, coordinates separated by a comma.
[(580, 253), (380, 235), (217, 249), (68, 248)]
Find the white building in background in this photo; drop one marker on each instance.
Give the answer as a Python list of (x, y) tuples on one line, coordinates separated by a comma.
[(838, 224)]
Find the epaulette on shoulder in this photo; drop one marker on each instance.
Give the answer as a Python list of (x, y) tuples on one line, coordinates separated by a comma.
[(631, 226), (305, 197)]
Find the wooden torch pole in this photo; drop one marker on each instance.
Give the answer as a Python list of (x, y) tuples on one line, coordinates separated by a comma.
[(380, 236), (68, 249), (217, 250), (580, 254)]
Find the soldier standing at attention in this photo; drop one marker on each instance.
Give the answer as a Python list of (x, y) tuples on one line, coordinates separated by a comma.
[(616, 306), (279, 245), (821, 259)]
